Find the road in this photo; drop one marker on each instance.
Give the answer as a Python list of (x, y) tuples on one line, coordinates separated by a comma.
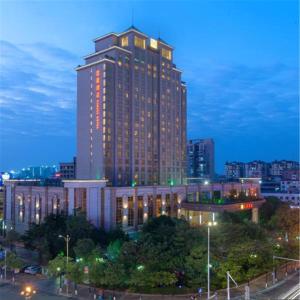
[(288, 289), (12, 292)]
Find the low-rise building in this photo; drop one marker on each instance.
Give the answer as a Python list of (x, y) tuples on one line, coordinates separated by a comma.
[(125, 207), (290, 198)]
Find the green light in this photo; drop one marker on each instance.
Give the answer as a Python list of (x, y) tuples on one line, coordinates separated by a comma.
[(140, 267), (79, 259), (99, 259), (133, 184), (171, 182)]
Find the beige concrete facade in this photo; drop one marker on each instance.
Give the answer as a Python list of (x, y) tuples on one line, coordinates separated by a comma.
[(127, 207), (131, 112)]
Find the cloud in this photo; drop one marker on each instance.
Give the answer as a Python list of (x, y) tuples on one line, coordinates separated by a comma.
[(242, 100), (37, 90)]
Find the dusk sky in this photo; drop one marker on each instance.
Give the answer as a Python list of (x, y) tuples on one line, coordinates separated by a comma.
[(239, 60)]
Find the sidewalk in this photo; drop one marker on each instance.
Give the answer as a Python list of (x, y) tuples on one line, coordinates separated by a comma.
[(86, 293), (257, 285)]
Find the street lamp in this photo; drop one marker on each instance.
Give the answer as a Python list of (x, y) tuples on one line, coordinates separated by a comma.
[(210, 224), (58, 270), (67, 240)]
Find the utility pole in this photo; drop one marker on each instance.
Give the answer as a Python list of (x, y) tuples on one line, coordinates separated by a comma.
[(208, 256), (208, 263), (5, 253), (67, 239)]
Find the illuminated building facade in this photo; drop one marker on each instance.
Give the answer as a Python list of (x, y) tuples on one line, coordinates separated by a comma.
[(131, 116), (126, 207)]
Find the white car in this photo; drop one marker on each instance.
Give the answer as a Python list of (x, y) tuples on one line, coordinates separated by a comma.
[(33, 270)]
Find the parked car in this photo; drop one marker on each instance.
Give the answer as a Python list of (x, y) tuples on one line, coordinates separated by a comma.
[(33, 270)]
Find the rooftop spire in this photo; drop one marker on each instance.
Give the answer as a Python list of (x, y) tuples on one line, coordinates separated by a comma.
[(132, 18)]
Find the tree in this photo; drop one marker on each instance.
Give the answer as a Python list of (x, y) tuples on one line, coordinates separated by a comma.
[(75, 273), (12, 261), (113, 250), (58, 224), (11, 237), (57, 266), (196, 266), (47, 232), (84, 248), (146, 279), (268, 209), (114, 275), (96, 273)]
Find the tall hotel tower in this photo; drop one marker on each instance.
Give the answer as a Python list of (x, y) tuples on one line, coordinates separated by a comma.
[(131, 112)]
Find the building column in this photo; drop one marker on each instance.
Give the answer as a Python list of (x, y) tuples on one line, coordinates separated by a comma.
[(145, 208), (125, 212), (8, 204), (179, 200), (71, 200), (172, 204), (255, 215), (163, 204), (135, 210)]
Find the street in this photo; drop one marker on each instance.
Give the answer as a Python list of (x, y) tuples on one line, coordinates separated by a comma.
[(12, 292), (287, 289)]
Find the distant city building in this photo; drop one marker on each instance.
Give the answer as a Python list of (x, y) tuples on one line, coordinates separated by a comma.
[(67, 170), (290, 186), (201, 159), (39, 172), (256, 169), (291, 174), (290, 198), (234, 170), (131, 104), (278, 167), (270, 171)]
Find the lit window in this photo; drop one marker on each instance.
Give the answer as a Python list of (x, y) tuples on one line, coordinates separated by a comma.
[(124, 41), (153, 43), (166, 53), (139, 42)]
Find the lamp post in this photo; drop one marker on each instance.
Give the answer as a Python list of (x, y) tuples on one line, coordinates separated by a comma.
[(58, 270), (5, 261), (210, 224), (67, 239)]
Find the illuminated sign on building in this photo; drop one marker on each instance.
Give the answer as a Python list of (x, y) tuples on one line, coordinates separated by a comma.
[(246, 206), (98, 89)]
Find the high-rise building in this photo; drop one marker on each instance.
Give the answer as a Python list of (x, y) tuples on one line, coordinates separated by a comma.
[(201, 158), (131, 112)]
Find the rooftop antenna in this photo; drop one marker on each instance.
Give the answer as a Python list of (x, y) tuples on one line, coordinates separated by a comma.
[(132, 17)]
